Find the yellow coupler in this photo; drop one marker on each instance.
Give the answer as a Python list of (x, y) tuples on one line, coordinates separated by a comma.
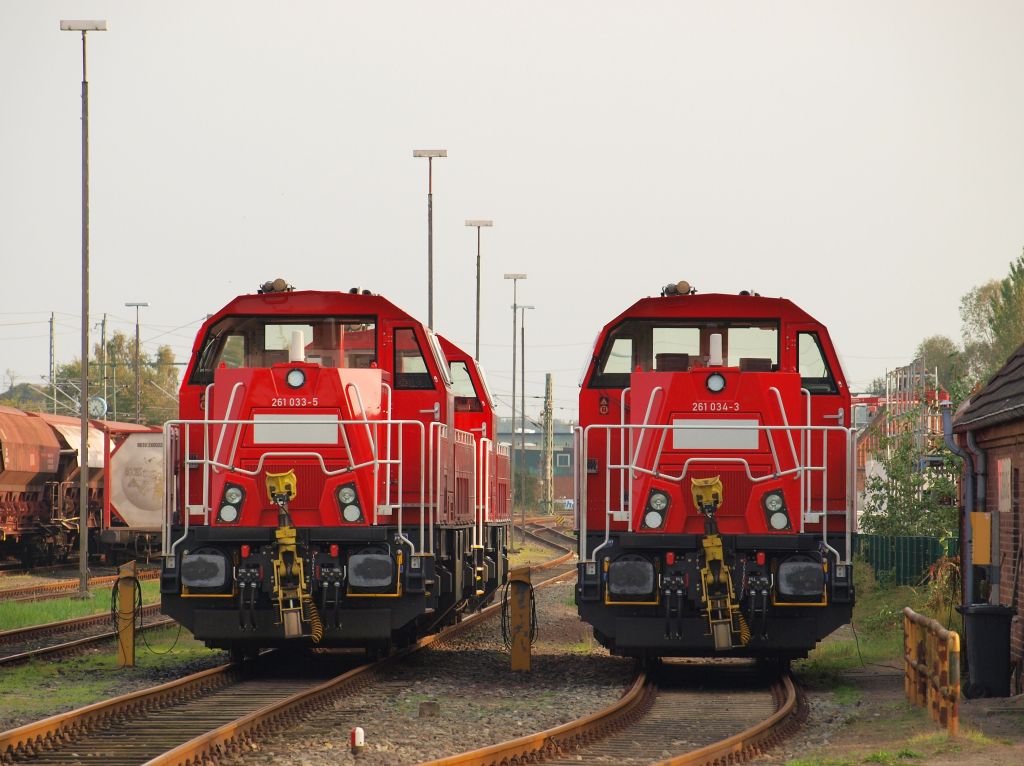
[(126, 615), (931, 676), (520, 617), (290, 587)]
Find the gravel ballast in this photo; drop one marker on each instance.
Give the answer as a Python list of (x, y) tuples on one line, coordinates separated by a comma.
[(479, 701)]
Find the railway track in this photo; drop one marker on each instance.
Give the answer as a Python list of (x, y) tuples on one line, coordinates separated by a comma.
[(38, 641), (553, 535), (675, 714), (62, 588), (214, 713)]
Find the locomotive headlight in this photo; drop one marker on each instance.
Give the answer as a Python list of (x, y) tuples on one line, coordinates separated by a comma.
[(653, 519), (775, 510), (233, 495), (347, 494), (228, 514), (352, 513), (658, 501), (295, 378), (715, 382)]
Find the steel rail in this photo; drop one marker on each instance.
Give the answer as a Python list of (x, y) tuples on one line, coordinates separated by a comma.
[(752, 741), (232, 737), (32, 632), (560, 537), (50, 732), (78, 643), (64, 587), (632, 706), (24, 741), (569, 736)]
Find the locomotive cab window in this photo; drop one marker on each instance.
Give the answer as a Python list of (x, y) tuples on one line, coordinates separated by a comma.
[(411, 370), (466, 399), (815, 374), (667, 345), (256, 342)]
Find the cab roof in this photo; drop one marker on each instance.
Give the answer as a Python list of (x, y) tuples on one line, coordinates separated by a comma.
[(715, 306), (305, 303)]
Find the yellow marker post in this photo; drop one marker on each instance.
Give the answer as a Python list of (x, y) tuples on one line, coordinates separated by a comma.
[(126, 615), (520, 617)]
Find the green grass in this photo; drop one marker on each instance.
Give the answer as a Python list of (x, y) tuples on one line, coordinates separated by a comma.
[(846, 694), (531, 553), (41, 688), (25, 613), (877, 635)]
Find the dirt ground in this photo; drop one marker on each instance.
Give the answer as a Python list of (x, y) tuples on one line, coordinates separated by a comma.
[(864, 718)]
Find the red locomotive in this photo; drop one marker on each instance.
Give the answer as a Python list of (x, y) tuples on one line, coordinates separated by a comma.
[(714, 469), (39, 487), (333, 485)]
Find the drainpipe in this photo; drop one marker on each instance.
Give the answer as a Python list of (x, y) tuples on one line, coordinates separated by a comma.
[(980, 487), (966, 567)]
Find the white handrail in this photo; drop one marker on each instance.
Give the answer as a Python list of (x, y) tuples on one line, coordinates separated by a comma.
[(801, 470), (217, 464)]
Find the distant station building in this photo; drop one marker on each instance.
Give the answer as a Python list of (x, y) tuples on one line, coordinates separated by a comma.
[(990, 429), (531, 459)]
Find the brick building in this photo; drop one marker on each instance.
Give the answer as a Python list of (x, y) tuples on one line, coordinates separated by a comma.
[(991, 429)]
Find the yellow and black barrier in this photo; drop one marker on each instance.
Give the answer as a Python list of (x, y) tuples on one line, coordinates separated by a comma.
[(931, 673)]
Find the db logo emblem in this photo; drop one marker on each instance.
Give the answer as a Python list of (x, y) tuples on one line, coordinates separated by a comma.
[(602, 406)]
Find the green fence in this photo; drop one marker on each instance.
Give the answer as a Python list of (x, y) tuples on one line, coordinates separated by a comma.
[(906, 559)]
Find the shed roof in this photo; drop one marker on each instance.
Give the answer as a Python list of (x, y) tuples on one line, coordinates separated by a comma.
[(1001, 400)]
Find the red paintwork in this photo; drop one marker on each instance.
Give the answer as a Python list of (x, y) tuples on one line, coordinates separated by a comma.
[(746, 396), (477, 416), (315, 503)]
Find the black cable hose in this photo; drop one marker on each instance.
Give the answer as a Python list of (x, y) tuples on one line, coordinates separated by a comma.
[(136, 614), (506, 617)]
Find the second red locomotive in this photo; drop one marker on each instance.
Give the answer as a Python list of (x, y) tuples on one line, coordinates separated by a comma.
[(714, 474), (334, 477)]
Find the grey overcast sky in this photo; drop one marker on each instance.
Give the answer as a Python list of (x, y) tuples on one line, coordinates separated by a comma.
[(863, 159)]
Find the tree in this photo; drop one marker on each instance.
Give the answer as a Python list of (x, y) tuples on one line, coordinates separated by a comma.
[(993, 322), (916, 492), (1007, 317), (877, 387), (159, 400), (943, 356)]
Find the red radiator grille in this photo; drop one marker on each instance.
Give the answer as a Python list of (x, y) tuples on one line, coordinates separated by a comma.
[(735, 486), (309, 478)]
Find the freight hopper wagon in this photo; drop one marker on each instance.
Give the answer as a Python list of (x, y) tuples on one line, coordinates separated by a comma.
[(328, 485), (39, 487), (714, 470)]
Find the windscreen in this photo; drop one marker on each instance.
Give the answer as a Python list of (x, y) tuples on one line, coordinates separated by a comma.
[(677, 345), (263, 341)]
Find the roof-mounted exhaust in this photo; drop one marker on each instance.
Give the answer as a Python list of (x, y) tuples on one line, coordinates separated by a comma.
[(678, 288), (277, 286)]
